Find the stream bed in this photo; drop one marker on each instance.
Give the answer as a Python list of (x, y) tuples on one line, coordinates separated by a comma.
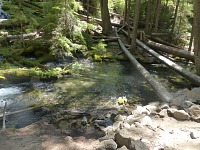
[(98, 86)]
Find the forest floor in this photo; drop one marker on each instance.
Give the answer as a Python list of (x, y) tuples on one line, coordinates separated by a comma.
[(42, 135)]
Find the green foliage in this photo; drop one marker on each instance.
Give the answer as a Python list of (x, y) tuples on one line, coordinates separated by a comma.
[(100, 47)]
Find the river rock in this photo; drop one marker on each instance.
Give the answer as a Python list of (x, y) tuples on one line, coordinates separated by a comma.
[(194, 112), (123, 148), (164, 106), (134, 118), (123, 136), (181, 115), (146, 121), (120, 117), (107, 145), (187, 104), (137, 145), (142, 110), (163, 113), (117, 126)]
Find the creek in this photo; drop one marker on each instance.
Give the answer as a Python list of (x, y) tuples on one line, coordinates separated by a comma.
[(98, 86)]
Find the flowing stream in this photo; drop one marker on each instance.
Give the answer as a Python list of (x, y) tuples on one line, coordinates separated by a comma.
[(99, 86)]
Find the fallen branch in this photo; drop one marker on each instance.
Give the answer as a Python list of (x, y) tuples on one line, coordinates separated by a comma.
[(158, 88), (15, 112)]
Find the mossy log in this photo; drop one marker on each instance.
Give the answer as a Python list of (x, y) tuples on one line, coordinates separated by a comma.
[(158, 88)]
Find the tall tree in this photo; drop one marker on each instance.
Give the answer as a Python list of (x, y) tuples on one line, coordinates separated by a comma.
[(105, 16), (147, 19), (197, 35), (135, 26), (157, 15), (175, 16)]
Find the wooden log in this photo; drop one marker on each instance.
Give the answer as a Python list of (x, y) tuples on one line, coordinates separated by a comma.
[(11, 37), (160, 34), (171, 50), (158, 88), (185, 73), (156, 39), (195, 79), (99, 21)]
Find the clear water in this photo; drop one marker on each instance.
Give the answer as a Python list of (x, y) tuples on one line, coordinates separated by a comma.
[(99, 86)]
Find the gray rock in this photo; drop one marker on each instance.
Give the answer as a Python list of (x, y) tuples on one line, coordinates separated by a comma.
[(137, 145), (117, 126), (107, 145), (120, 118), (171, 111), (123, 136), (133, 118), (146, 121), (194, 112), (163, 113), (123, 148), (181, 115), (164, 106), (187, 104)]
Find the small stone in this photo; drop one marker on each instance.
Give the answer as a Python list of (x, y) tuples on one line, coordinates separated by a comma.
[(194, 112), (194, 135), (117, 125), (137, 145), (123, 148), (146, 121), (120, 118), (107, 145), (163, 113), (164, 106)]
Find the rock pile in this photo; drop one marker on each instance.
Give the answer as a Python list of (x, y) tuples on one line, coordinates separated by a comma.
[(155, 126)]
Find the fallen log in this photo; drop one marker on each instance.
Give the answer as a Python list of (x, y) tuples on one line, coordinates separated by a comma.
[(195, 79), (158, 88), (171, 50), (163, 42), (99, 21), (24, 36)]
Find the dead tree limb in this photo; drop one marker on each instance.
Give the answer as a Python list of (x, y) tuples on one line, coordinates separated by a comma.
[(171, 50), (158, 88), (15, 112)]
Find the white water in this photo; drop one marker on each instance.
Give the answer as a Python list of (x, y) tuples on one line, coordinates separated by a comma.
[(6, 92)]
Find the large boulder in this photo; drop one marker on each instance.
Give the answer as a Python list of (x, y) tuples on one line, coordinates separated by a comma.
[(124, 135), (194, 112), (178, 114)]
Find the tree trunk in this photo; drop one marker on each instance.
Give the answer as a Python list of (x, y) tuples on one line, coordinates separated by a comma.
[(147, 19), (191, 38), (171, 50), (125, 11), (157, 15), (197, 35), (106, 24), (175, 16), (128, 20), (135, 26), (157, 87)]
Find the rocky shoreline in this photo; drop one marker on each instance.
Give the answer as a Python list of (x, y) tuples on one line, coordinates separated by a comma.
[(156, 126)]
